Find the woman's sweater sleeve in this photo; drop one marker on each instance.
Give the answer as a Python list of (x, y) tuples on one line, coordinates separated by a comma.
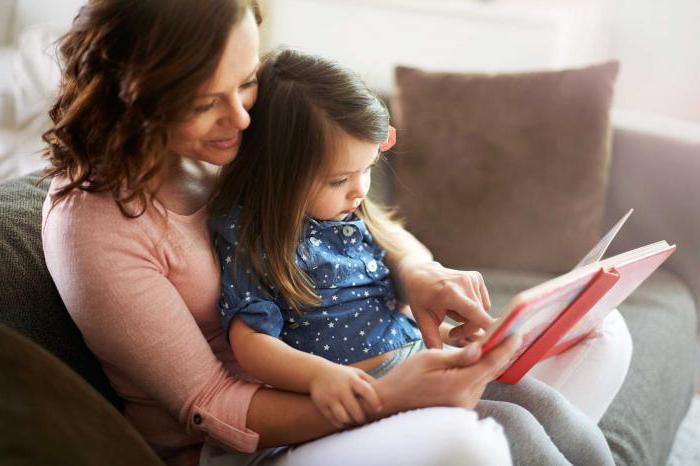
[(133, 318)]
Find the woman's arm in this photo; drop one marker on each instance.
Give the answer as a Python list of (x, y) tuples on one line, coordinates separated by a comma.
[(430, 378), (434, 292), (115, 286)]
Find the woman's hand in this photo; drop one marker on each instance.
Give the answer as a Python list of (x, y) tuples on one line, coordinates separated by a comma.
[(443, 378), (336, 391), (460, 335), (434, 292)]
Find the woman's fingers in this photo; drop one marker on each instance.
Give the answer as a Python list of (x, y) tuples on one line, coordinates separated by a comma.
[(463, 334), (429, 325), (441, 360), (455, 298), (495, 360), (486, 299)]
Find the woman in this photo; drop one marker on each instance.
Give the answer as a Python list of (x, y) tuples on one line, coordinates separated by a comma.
[(154, 98)]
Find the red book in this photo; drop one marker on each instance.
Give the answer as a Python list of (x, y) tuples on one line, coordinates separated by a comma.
[(558, 313)]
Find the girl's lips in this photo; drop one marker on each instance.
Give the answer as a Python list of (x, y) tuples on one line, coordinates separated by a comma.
[(223, 144)]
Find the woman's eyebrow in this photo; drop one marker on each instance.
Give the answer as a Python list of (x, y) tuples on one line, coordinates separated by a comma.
[(247, 79), (253, 73)]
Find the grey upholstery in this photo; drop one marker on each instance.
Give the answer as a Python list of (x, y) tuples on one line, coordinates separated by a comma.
[(658, 173), (29, 301)]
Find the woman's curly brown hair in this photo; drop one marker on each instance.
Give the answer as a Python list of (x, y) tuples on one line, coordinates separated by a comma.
[(130, 72)]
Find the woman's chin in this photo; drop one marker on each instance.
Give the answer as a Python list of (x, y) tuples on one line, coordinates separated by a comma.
[(216, 156)]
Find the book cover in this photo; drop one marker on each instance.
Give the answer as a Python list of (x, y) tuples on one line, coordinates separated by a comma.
[(558, 313)]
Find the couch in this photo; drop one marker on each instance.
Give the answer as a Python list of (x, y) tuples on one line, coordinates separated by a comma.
[(58, 407)]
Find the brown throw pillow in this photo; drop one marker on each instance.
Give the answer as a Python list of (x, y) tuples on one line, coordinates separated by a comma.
[(506, 170)]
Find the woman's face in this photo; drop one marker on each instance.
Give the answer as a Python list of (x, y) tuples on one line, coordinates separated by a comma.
[(219, 113)]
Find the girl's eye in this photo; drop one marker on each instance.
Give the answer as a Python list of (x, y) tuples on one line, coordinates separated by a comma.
[(204, 108), (338, 183)]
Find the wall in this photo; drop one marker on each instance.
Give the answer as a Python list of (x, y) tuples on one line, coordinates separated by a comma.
[(657, 43)]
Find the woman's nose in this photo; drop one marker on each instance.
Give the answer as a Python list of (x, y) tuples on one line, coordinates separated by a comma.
[(237, 115)]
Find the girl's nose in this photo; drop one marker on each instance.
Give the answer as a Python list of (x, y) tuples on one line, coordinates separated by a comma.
[(357, 192)]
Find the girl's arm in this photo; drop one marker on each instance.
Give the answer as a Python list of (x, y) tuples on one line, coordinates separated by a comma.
[(334, 388), (272, 361)]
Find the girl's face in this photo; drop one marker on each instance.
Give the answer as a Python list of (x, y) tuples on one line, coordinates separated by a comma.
[(342, 189), (219, 114)]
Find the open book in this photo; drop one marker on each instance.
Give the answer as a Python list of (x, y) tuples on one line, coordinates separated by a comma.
[(558, 313)]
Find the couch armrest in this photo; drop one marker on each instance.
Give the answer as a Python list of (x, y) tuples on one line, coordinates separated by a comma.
[(656, 170)]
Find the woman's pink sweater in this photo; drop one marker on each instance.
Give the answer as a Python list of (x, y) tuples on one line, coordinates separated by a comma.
[(143, 292)]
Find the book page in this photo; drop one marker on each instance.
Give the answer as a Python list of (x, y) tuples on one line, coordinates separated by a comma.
[(633, 270), (599, 249)]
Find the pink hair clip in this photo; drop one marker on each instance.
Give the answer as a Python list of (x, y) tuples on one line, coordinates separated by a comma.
[(390, 140)]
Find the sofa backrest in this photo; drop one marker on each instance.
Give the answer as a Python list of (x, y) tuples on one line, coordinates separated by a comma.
[(29, 301)]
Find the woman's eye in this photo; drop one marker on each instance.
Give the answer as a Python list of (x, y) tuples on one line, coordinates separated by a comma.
[(204, 108), (252, 83), (337, 183)]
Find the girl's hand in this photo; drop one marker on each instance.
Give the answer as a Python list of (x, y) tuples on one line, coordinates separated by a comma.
[(336, 391), (434, 292), (443, 378)]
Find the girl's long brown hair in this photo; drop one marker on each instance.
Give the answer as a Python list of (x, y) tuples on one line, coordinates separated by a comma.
[(130, 72), (304, 102)]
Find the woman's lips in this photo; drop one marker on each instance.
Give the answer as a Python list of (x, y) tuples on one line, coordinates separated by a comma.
[(223, 144)]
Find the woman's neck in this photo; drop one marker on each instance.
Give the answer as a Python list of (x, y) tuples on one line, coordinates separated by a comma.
[(186, 185)]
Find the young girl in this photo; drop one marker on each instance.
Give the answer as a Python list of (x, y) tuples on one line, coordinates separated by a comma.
[(307, 301)]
